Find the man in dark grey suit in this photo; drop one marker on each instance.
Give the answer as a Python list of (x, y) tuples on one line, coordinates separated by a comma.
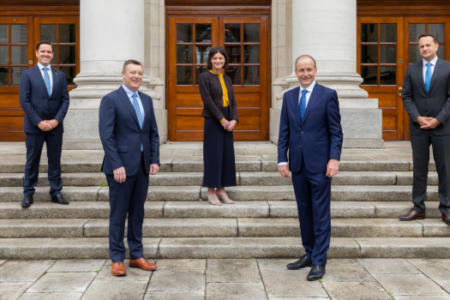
[(426, 97)]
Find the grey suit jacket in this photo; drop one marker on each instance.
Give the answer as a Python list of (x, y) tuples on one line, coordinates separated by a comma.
[(434, 103)]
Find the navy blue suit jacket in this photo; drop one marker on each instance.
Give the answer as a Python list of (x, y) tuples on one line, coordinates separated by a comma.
[(36, 102), (318, 138), (122, 136)]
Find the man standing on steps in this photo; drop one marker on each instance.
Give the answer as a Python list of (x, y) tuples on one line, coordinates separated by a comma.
[(44, 99), (130, 139), (426, 97), (310, 129)]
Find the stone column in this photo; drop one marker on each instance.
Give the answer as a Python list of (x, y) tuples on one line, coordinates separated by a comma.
[(326, 29), (111, 31)]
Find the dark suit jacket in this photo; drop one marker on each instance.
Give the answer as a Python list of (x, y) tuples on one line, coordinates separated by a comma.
[(317, 138), (122, 136), (434, 103), (36, 102), (211, 92)]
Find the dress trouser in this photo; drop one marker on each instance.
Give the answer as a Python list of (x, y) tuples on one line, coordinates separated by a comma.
[(421, 156), (127, 198), (312, 193), (34, 144)]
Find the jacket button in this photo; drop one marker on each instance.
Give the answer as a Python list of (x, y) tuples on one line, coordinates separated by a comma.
[(301, 132)]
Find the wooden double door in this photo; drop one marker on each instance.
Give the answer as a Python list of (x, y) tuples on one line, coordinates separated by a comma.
[(386, 47), (246, 42)]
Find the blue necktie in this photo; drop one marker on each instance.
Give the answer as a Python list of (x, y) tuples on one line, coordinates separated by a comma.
[(303, 104), (47, 81), (137, 109), (428, 77)]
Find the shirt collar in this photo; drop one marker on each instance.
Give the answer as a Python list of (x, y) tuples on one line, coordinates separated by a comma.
[(41, 66), (309, 88), (433, 61), (128, 91)]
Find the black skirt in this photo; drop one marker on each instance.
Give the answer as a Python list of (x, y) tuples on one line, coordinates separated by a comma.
[(219, 169)]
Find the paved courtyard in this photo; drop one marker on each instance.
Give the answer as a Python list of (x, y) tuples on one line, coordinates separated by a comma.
[(246, 279)]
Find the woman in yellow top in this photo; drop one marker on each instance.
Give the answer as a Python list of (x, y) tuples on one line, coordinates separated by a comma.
[(220, 113)]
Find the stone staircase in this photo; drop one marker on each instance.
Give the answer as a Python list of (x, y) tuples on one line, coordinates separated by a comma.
[(371, 191)]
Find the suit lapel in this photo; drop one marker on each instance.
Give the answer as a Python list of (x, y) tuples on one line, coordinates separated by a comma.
[(128, 106), (295, 104), (39, 77), (146, 106), (437, 70), (55, 80), (313, 100)]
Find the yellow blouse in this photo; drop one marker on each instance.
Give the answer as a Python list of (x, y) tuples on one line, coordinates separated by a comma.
[(226, 101)]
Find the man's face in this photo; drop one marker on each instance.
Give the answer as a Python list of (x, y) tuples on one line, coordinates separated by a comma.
[(305, 71), (132, 76), (428, 48), (44, 54)]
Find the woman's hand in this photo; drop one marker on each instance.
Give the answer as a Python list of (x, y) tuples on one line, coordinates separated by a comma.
[(225, 123), (231, 125)]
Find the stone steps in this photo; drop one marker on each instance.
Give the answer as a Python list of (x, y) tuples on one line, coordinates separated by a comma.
[(223, 247), (201, 209), (243, 178), (240, 193), (222, 227)]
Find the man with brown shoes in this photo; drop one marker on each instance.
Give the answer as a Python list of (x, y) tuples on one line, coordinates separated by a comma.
[(426, 97)]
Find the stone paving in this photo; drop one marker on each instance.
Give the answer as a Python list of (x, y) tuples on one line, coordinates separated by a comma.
[(246, 279)]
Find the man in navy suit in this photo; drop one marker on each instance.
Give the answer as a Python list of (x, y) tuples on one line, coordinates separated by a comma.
[(426, 97), (130, 139), (310, 129), (45, 99)]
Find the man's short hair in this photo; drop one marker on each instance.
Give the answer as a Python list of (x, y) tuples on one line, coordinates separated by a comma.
[(43, 43), (427, 35), (305, 55), (131, 62)]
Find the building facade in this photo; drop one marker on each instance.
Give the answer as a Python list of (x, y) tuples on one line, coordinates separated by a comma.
[(362, 49)]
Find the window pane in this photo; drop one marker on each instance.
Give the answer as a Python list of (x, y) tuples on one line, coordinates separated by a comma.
[(440, 52), (16, 74), (234, 54), (388, 32), (3, 76), (251, 32), (369, 33), (19, 33), (184, 33), (184, 75), (437, 30), (70, 73), (201, 54), (388, 54), (55, 55), (4, 58), (19, 55), (369, 75), (415, 30), (203, 33), (232, 33), (4, 33), (235, 73), (251, 75), (414, 55), (67, 54), (67, 33), (369, 54), (184, 54), (199, 70), (251, 54), (387, 75), (48, 33)]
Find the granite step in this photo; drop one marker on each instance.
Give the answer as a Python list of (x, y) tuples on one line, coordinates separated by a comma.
[(201, 209), (239, 193), (223, 227), (241, 247)]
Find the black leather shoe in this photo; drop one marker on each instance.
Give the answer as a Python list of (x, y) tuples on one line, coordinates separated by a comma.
[(316, 273), (58, 198), (27, 201), (305, 261), (446, 218)]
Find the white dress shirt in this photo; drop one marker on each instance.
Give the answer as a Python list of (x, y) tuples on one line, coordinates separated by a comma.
[(49, 72), (130, 94), (424, 68)]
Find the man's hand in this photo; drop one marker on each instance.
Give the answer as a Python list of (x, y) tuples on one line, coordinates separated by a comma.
[(423, 121), (154, 169), (120, 175), (332, 167), (284, 170), (53, 123), (431, 123), (44, 125)]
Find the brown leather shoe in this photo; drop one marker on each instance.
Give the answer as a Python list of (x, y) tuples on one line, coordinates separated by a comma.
[(413, 215), (446, 218), (118, 269), (142, 264)]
